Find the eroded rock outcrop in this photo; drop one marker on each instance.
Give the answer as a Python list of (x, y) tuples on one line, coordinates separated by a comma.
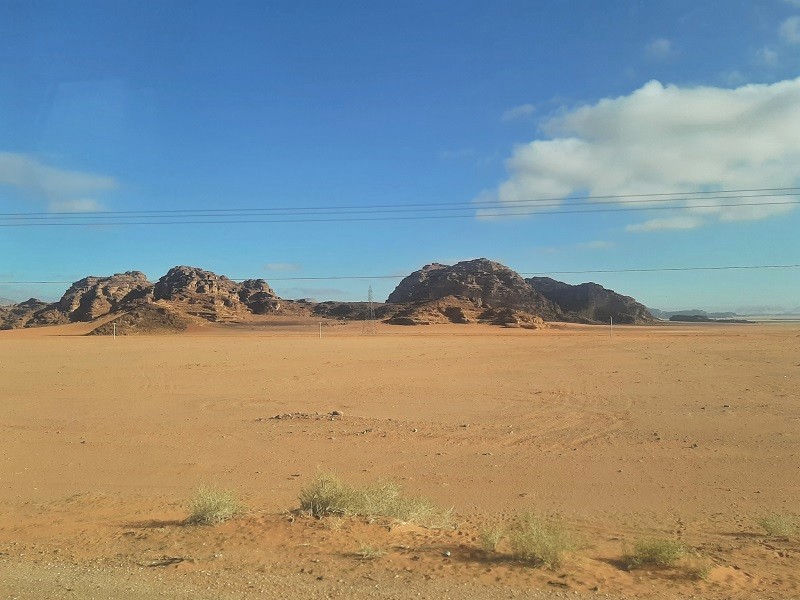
[(19, 315), (591, 302), (483, 282), (93, 297), (214, 297)]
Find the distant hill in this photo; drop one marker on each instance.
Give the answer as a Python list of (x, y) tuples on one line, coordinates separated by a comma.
[(693, 312), (6, 302), (484, 284), (479, 290), (592, 302)]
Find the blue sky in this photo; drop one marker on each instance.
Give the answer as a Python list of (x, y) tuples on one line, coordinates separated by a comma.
[(130, 106)]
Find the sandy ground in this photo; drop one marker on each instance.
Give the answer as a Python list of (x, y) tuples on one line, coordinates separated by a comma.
[(685, 432)]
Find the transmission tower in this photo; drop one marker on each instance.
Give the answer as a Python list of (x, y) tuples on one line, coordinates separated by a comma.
[(370, 323)]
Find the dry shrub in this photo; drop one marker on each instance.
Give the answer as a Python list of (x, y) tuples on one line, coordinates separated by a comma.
[(328, 495), (490, 537), (654, 552), (212, 505), (540, 541), (778, 525)]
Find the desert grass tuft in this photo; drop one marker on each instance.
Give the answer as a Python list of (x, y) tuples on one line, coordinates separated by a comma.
[(211, 505), (328, 495), (778, 525), (654, 552), (490, 537), (699, 567), (367, 552), (540, 541)]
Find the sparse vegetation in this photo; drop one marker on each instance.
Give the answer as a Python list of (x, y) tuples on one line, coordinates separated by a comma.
[(367, 552), (328, 495), (490, 537), (654, 552), (543, 542), (779, 525), (699, 567), (211, 505)]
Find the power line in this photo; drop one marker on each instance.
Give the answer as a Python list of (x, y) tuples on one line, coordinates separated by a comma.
[(400, 218), (532, 273), (614, 198), (250, 212)]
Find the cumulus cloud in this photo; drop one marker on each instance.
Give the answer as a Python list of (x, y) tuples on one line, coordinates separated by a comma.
[(518, 112), (790, 30), (659, 49), (665, 139), (64, 190)]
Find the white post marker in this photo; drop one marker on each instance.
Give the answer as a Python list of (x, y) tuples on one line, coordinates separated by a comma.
[(611, 327), (114, 335), (320, 330)]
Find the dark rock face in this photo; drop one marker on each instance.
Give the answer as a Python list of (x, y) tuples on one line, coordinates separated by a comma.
[(590, 302), (18, 315), (481, 281), (144, 319), (214, 297), (258, 296), (92, 297), (352, 311)]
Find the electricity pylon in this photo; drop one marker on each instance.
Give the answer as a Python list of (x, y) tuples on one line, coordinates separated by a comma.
[(370, 322)]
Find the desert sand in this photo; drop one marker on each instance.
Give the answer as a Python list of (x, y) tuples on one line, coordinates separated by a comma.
[(684, 432)]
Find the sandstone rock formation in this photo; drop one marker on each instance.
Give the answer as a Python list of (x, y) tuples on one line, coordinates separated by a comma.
[(258, 296), (485, 283), (214, 297), (592, 302), (92, 297), (18, 315)]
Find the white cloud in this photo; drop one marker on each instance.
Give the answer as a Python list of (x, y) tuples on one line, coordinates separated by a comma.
[(64, 190), (659, 49), (665, 139), (518, 112), (597, 245), (666, 223), (28, 174), (790, 30), (76, 206), (282, 266), (767, 56)]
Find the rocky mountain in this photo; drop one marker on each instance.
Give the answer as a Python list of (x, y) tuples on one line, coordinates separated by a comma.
[(484, 283), (18, 315), (473, 291), (92, 297), (591, 302), (214, 297)]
